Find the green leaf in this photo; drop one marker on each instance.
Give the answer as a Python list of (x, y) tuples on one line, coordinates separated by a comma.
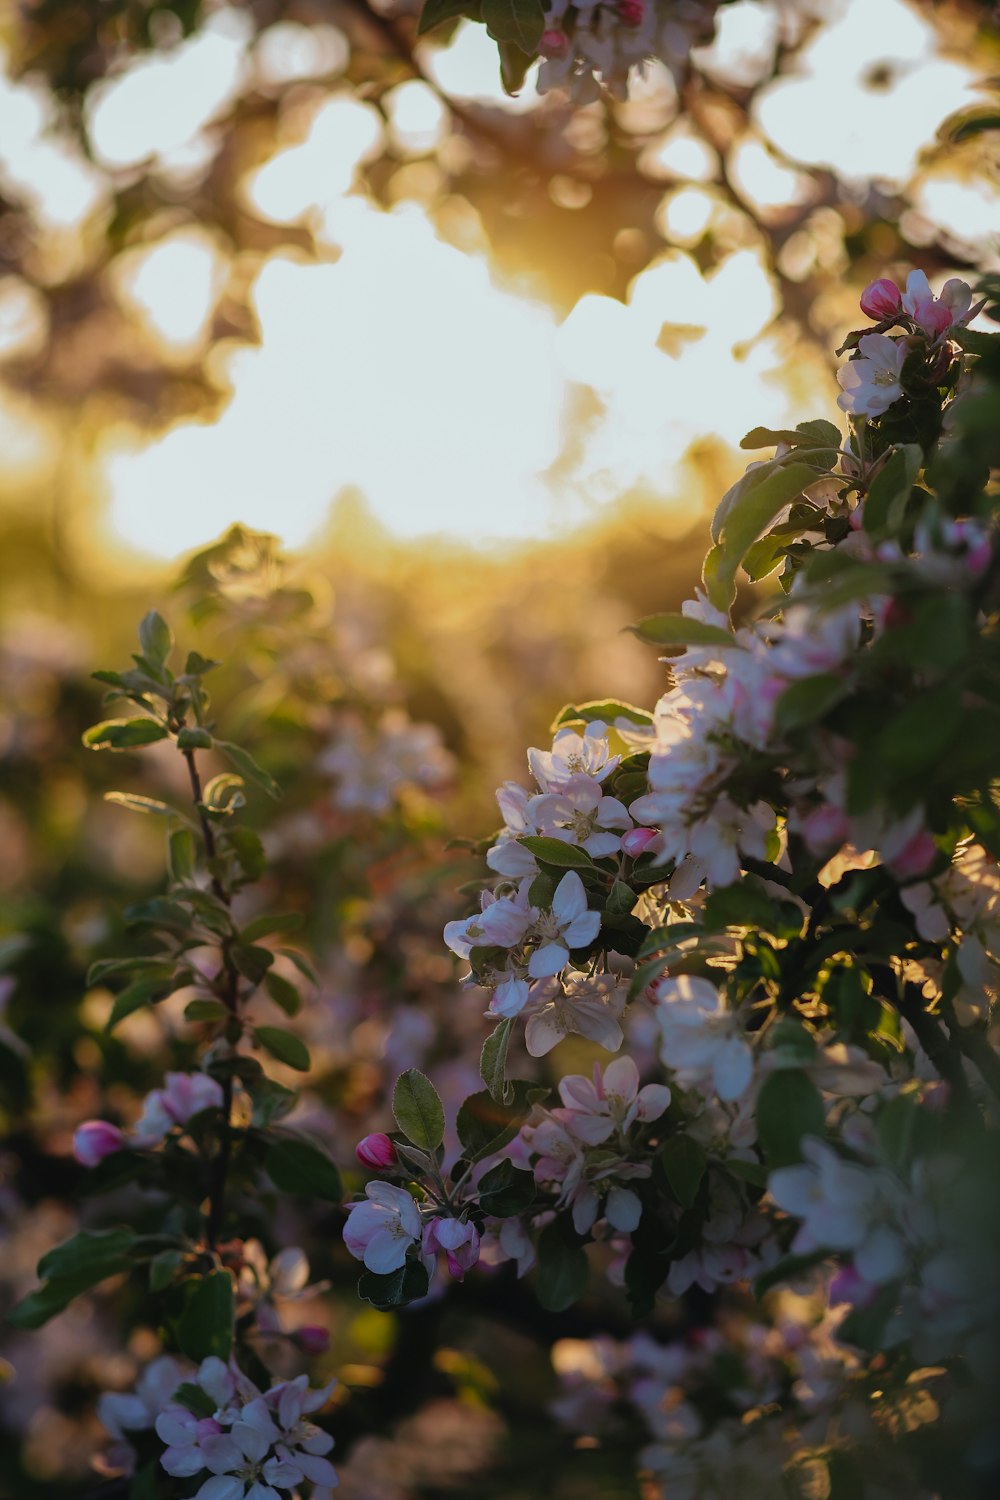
[(555, 852), (789, 1108), (224, 793), (285, 1046), (815, 434), (684, 1164), (155, 638), (71, 1269), (146, 991), (248, 767), (436, 11), (621, 899), (88, 1253), (493, 1061), (249, 851), (195, 1399), (744, 514), (518, 21), (271, 1100), (809, 699), (206, 1325), (135, 803), (506, 1190), (253, 962), (396, 1288), (163, 1269), (417, 1110), (123, 734), (561, 1278), (261, 926), (885, 504), (182, 855), (680, 630), (514, 65), (205, 1010), (197, 665), (283, 993), (298, 1166), (921, 731), (601, 711), (486, 1124), (194, 738)]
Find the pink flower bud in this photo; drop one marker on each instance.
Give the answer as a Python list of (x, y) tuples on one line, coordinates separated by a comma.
[(636, 840), (915, 856), (631, 12), (376, 1152), (94, 1140), (880, 299), (850, 1286), (312, 1339), (554, 44)]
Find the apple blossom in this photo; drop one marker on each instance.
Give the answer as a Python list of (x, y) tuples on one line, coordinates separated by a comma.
[(376, 1152), (881, 299), (701, 1040), (580, 814), (458, 1238), (567, 925), (612, 1102), (381, 1230), (183, 1096), (94, 1140), (871, 383)]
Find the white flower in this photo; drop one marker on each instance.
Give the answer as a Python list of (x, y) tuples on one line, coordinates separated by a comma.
[(569, 924), (580, 814), (381, 1231), (572, 754), (184, 1096), (612, 1102), (700, 1039), (507, 856), (870, 384), (843, 1206), (137, 1411), (589, 1005)]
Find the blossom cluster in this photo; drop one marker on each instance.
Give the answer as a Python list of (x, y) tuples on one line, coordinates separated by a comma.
[(592, 45), (214, 1422)]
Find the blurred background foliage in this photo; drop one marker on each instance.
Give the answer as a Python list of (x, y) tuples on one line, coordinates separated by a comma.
[(484, 362)]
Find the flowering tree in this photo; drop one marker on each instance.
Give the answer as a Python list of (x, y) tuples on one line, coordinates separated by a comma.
[(781, 886), (752, 935)]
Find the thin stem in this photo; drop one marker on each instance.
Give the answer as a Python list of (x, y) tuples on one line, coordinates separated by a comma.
[(229, 994)]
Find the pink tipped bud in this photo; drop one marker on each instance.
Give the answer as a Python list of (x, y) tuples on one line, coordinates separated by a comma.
[(636, 840), (95, 1139), (880, 299), (631, 12), (376, 1152), (554, 44), (312, 1339)]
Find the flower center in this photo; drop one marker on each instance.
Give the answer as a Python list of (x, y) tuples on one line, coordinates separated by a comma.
[(885, 377)]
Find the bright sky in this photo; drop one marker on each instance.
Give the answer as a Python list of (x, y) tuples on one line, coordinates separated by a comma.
[(395, 364)]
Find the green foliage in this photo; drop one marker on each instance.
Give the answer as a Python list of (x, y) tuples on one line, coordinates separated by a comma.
[(298, 1166), (205, 1327), (71, 1268), (285, 1046), (561, 1277), (418, 1110), (683, 1163), (789, 1108), (493, 1062)]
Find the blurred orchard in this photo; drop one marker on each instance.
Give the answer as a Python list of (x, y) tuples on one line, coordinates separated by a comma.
[(387, 364)]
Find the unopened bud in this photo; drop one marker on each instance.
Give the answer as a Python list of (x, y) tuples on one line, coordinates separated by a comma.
[(636, 840), (880, 299), (376, 1152), (95, 1139), (312, 1339), (553, 43), (631, 12)]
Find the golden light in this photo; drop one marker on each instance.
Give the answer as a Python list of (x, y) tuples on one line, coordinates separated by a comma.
[(343, 132), (418, 121), (288, 52), (869, 91), (24, 318), (164, 100), (172, 286), (467, 68)]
